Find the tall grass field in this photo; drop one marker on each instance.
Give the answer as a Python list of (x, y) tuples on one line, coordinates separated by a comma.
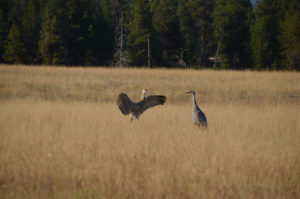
[(63, 136)]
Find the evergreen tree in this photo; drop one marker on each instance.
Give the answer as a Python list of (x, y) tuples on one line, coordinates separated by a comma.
[(116, 13), (16, 11), (4, 10), (2, 33), (31, 29), (74, 32), (232, 23), (12, 12), (139, 31), (100, 38), (290, 36), (166, 29), (265, 32), (51, 46), (189, 34), (196, 27), (14, 48)]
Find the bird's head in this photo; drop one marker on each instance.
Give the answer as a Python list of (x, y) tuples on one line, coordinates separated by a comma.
[(191, 92)]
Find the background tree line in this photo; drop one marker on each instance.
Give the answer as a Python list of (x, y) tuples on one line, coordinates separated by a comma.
[(180, 33)]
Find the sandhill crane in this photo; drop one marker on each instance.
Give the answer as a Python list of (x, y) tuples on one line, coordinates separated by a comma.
[(135, 109), (197, 115)]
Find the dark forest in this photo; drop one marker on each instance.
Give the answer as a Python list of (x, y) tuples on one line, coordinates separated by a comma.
[(220, 34)]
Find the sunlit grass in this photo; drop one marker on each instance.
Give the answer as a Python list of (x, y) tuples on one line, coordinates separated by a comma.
[(63, 136)]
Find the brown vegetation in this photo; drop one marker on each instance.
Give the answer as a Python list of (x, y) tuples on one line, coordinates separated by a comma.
[(62, 135)]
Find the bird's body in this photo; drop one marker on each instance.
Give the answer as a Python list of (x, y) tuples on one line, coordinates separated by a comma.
[(135, 109), (198, 116)]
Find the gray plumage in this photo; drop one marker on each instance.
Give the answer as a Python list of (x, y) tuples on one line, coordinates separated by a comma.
[(135, 109), (198, 116)]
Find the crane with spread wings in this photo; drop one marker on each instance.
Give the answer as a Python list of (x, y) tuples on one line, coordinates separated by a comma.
[(135, 109)]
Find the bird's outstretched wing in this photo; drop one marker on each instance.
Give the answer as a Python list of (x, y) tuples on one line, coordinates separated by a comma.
[(151, 101), (124, 103)]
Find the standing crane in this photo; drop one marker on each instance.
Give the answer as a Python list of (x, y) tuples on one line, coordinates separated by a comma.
[(135, 109), (197, 115)]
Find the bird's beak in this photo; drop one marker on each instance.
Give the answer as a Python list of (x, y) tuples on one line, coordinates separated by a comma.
[(188, 92)]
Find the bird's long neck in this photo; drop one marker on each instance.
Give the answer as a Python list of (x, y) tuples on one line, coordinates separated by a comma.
[(143, 95), (194, 100)]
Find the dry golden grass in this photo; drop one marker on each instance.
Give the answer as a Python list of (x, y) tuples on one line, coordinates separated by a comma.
[(104, 84), (62, 135)]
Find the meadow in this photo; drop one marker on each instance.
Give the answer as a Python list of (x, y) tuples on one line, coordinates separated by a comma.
[(63, 136)]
